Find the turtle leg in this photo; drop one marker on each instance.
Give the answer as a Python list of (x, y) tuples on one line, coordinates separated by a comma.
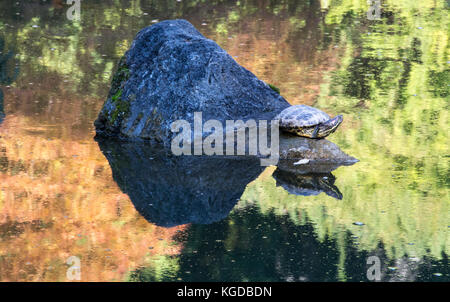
[(316, 131)]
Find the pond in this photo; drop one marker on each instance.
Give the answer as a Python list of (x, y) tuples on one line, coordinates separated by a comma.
[(64, 194)]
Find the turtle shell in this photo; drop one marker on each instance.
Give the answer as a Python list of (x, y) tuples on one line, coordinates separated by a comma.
[(299, 116)]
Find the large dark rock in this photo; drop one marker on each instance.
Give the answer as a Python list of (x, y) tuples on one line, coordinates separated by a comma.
[(172, 71)]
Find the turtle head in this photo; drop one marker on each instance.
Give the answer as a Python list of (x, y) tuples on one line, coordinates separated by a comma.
[(330, 126)]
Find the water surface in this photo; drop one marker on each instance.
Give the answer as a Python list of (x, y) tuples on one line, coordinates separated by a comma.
[(61, 196)]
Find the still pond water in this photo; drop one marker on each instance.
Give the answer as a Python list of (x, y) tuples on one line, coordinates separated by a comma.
[(390, 78)]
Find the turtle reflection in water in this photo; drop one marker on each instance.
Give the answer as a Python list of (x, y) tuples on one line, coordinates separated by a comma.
[(307, 184)]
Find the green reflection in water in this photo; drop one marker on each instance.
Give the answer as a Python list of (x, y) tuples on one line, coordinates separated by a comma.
[(251, 246), (390, 80)]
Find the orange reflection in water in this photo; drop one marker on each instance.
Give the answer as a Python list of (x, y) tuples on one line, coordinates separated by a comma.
[(58, 199), (270, 50)]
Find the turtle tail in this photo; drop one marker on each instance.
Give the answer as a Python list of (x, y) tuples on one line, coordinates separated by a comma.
[(330, 126)]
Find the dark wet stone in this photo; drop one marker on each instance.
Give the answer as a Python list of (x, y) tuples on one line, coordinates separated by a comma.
[(313, 175), (323, 155), (172, 71), (168, 190)]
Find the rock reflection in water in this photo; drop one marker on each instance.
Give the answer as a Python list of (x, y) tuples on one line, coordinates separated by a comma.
[(169, 190)]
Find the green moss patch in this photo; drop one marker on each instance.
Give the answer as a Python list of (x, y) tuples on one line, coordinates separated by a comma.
[(120, 77), (121, 106), (274, 88)]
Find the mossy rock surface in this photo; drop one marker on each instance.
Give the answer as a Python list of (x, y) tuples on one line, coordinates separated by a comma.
[(120, 77), (172, 71), (117, 107), (122, 107), (275, 88)]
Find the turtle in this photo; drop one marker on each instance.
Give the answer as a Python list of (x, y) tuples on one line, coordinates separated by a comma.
[(308, 121)]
